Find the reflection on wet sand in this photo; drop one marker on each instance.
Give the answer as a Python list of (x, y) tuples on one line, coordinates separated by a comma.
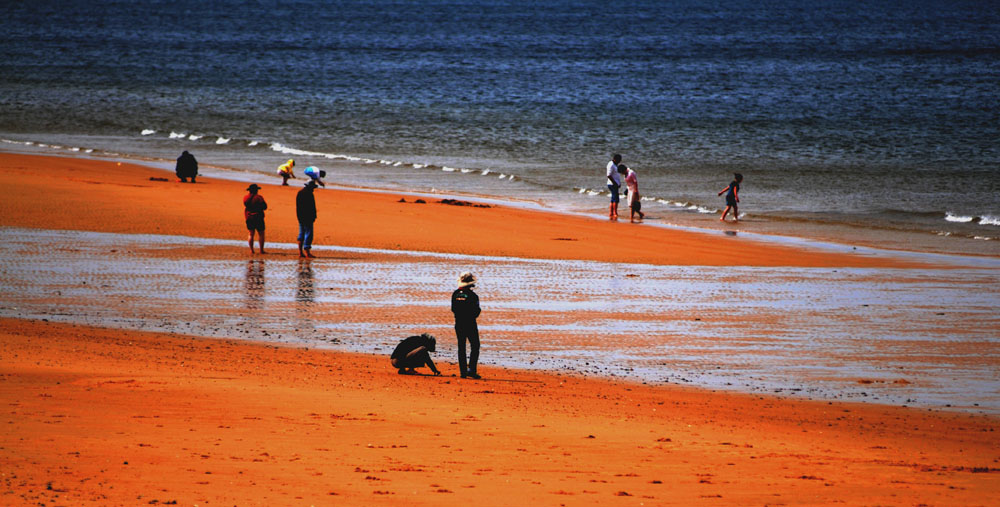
[(255, 284), (893, 336), (305, 294)]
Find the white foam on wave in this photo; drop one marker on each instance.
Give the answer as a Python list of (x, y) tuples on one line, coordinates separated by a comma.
[(253, 143), (74, 149), (148, 132), (280, 148), (485, 172), (466, 171), (448, 169), (195, 137), (700, 209), (419, 166), (958, 218), (177, 135), (989, 220), (222, 140)]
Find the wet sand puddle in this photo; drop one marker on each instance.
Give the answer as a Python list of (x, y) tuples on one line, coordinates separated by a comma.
[(910, 337)]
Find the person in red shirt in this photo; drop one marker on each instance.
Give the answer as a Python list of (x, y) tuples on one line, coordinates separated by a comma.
[(253, 210)]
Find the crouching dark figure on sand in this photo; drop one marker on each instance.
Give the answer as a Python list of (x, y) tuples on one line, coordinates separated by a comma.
[(414, 352)]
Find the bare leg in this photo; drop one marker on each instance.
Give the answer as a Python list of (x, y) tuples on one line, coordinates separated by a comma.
[(250, 241), (724, 213), (736, 213), (261, 241)]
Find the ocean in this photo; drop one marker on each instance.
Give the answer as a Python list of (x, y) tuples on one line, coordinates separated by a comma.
[(850, 121)]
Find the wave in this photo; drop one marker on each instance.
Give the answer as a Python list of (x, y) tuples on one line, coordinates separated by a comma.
[(958, 218), (989, 220), (980, 219)]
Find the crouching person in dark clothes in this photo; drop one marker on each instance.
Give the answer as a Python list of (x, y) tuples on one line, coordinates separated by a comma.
[(465, 306), (414, 352)]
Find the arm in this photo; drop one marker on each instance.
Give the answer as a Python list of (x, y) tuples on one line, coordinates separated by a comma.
[(430, 364), (724, 190)]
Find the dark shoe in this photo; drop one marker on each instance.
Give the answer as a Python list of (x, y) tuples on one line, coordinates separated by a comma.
[(474, 375), (402, 371)]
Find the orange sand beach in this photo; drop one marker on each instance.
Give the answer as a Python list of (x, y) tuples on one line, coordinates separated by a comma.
[(120, 417)]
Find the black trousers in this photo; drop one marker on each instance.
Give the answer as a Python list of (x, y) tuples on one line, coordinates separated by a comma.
[(467, 331)]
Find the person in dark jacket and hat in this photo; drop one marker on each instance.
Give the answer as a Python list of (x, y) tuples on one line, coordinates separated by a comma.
[(465, 306), (187, 167), (414, 352), (253, 211), (305, 209)]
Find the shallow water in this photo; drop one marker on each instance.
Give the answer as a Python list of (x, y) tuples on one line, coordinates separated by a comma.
[(910, 337)]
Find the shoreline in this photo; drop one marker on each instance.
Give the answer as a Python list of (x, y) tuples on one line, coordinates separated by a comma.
[(517, 233), (770, 228)]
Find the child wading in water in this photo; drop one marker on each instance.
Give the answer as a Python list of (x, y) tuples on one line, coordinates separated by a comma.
[(732, 198), (632, 189)]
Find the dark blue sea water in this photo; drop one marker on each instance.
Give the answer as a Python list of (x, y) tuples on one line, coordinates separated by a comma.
[(878, 116)]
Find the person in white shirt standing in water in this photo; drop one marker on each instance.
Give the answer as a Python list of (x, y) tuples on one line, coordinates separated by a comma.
[(614, 183)]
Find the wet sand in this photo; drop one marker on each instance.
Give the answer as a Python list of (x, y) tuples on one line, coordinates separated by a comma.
[(109, 416), (874, 334)]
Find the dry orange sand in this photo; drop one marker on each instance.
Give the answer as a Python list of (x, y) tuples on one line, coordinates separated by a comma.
[(110, 417), (92, 195)]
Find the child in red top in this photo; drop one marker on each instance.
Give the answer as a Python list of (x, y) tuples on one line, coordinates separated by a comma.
[(253, 211)]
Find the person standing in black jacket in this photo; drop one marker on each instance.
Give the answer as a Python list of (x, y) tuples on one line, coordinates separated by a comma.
[(305, 209), (465, 306)]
